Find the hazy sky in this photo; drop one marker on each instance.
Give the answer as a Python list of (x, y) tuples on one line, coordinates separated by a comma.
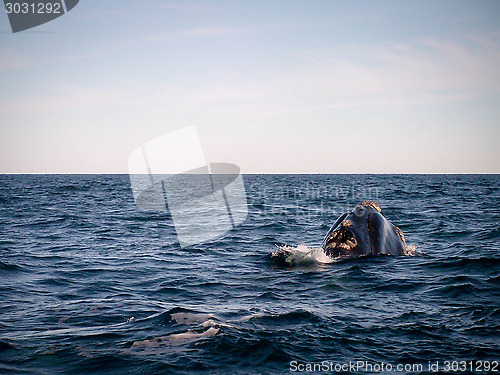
[(272, 86)]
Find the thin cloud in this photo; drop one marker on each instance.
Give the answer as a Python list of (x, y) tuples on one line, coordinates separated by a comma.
[(65, 96), (11, 60), (423, 73), (389, 76), (184, 6), (211, 31)]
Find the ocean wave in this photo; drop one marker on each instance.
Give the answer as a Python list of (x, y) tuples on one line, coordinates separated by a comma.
[(287, 317), (479, 264), (93, 285), (4, 266), (5, 346)]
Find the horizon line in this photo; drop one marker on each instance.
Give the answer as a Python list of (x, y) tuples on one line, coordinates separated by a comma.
[(262, 173)]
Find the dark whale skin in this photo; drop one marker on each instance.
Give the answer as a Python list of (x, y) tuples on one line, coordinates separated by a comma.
[(363, 231)]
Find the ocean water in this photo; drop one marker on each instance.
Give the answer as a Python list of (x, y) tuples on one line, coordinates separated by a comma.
[(91, 284)]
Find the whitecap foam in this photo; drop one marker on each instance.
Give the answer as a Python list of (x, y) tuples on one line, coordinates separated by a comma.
[(411, 250), (301, 255)]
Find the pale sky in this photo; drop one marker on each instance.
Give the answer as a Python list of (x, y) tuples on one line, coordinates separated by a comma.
[(271, 86)]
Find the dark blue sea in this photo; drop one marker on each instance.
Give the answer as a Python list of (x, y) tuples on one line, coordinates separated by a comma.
[(90, 284)]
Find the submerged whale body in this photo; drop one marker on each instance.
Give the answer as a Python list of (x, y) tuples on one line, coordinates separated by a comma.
[(363, 231)]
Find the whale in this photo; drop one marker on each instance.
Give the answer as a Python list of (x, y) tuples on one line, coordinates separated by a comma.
[(362, 232)]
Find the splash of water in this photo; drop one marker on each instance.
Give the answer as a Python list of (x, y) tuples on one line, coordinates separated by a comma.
[(305, 256), (411, 250), (300, 255)]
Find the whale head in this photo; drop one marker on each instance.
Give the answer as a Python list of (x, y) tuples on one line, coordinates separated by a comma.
[(363, 231)]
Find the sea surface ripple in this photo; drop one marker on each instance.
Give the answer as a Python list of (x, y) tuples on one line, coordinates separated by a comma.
[(91, 284)]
